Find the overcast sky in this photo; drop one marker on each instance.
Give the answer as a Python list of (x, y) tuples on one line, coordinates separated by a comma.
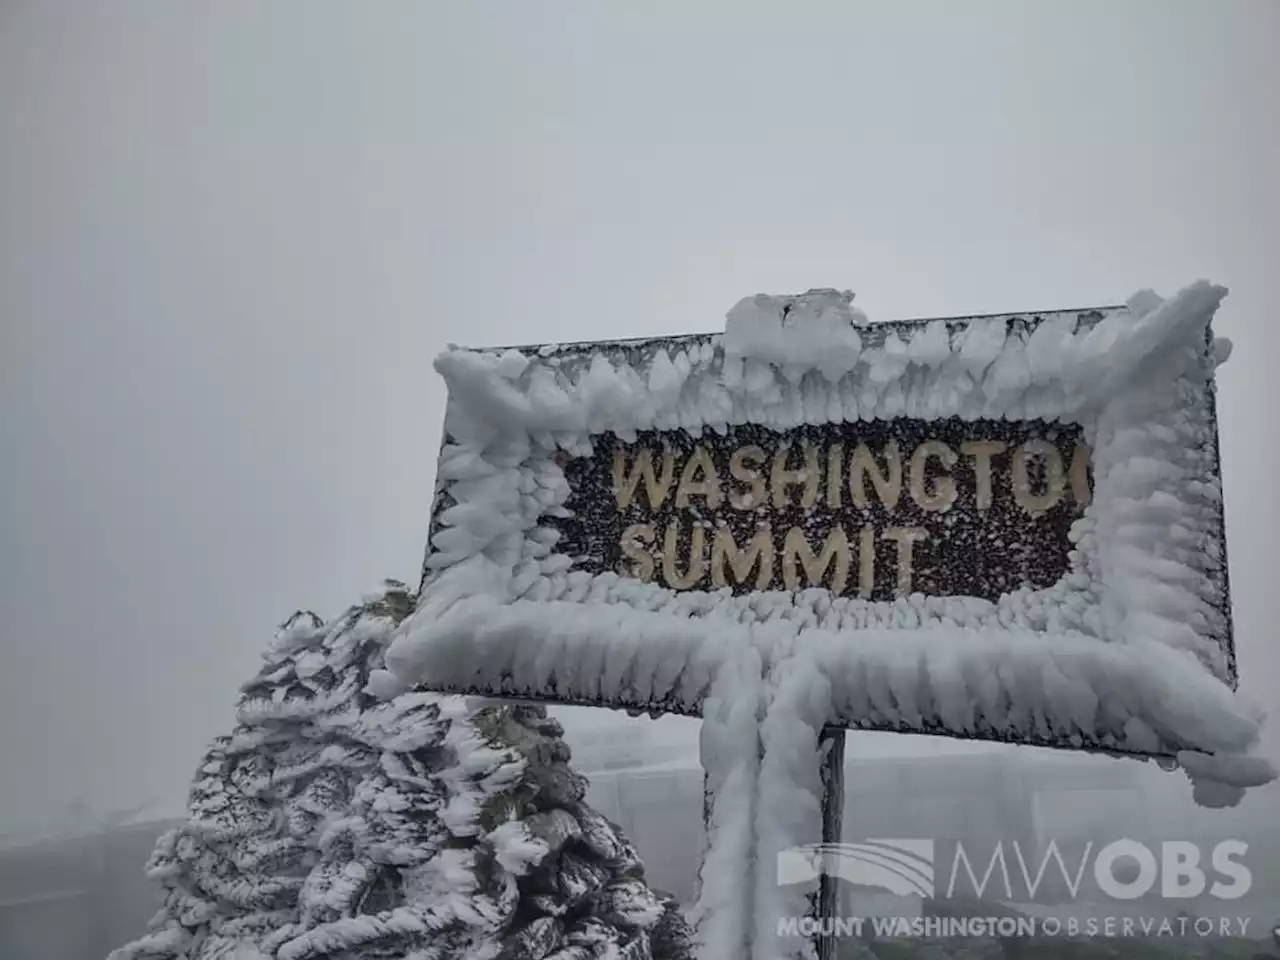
[(234, 235)]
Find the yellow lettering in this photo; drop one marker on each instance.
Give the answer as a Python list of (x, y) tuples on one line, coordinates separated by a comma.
[(982, 451), (887, 482), (697, 557), (783, 477), (835, 474), (943, 494), (1030, 501), (758, 551), (708, 487), (625, 483), (636, 542), (744, 473), (906, 538), (835, 552)]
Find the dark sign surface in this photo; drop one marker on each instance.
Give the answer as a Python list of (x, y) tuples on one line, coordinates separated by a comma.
[(874, 510)]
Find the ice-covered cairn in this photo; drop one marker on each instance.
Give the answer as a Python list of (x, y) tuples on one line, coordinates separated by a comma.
[(334, 824)]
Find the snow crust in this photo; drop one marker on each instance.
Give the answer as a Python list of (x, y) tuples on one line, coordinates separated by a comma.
[(1126, 651), (814, 331)]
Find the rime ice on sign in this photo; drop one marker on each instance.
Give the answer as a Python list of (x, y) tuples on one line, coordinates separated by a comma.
[(817, 330), (1123, 643)]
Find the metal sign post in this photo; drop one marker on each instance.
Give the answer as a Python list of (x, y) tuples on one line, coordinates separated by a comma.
[(831, 750)]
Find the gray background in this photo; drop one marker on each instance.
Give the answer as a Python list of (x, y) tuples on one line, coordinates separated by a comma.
[(233, 235)]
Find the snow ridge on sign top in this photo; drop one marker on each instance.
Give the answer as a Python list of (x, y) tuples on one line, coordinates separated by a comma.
[(817, 330)]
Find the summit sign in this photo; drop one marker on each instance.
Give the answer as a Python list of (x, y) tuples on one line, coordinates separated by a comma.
[(871, 510), (1006, 527)]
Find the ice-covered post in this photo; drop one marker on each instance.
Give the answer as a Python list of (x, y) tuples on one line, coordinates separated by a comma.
[(831, 771), (831, 750)]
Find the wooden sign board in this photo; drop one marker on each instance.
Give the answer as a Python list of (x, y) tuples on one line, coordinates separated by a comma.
[(1029, 519)]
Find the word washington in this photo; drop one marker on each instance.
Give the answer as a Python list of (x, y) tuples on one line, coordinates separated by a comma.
[(830, 513)]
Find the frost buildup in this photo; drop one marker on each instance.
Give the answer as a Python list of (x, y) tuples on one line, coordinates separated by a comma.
[(334, 824), (1121, 644), (817, 330)]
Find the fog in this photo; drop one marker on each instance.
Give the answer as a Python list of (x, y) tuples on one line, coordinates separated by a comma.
[(234, 235)]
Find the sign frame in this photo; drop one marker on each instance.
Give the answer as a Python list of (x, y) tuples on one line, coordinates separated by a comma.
[(493, 384)]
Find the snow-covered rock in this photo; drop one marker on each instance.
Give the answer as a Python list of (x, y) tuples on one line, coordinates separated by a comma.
[(332, 824)]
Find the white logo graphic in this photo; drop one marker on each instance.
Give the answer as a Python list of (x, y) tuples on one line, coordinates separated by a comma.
[(1121, 870), (904, 867)]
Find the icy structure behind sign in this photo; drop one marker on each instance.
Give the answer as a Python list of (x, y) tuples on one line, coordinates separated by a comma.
[(1130, 651)]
